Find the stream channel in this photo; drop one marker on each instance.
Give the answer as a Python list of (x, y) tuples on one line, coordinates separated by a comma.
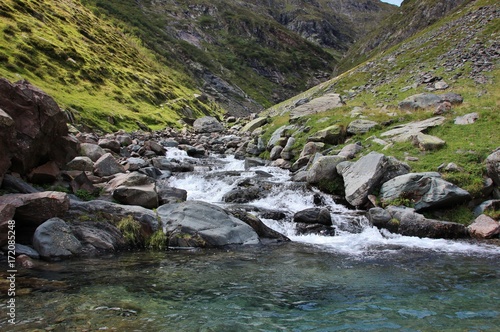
[(361, 279)]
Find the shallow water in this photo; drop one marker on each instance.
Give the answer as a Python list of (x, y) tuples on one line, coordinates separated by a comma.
[(366, 280), (287, 287)]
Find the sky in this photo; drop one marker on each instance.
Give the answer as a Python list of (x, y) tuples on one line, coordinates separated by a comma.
[(394, 2)]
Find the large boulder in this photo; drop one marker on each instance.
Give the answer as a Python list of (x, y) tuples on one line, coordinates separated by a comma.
[(364, 176), (54, 240), (406, 132), (406, 221), (420, 101), (323, 171), (41, 133), (317, 105), (97, 237), (99, 211), (334, 135), (313, 216), (427, 100), (202, 224), (134, 189), (144, 195), (207, 124), (424, 190), (36, 208), (361, 126), (107, 165)]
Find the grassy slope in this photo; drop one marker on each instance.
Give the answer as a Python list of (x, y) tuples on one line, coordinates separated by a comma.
[(105, 77), (380, 81)]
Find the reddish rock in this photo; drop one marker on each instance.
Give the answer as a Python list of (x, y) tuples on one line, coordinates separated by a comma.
[(82, 182), (34, 209), (107, 165), (47, 173), (484, 227), (41, 132)]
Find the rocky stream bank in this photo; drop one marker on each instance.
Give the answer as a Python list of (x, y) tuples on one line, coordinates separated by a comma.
[(72, 193)]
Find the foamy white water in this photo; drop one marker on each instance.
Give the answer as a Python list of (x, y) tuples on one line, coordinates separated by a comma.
[(210, 186)]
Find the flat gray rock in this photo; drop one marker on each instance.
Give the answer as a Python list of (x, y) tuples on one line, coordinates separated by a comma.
[(405, 132), (317, 105), (211, 224)]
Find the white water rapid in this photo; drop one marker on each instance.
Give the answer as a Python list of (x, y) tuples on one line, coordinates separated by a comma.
[(216, 176)]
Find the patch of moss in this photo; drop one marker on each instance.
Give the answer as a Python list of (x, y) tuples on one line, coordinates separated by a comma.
[(157, 241), (131, 231)]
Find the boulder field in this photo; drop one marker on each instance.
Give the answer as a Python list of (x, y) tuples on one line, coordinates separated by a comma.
[(110, 192)]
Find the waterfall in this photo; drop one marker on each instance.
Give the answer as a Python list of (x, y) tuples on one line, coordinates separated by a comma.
[(354, 235)]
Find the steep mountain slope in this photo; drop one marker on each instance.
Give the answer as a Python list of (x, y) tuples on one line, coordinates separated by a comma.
[(412, 17), (461, 49), (100, 75), (248, 54)]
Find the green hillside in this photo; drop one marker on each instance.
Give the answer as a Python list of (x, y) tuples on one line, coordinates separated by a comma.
[(103, 76), (462, 50)]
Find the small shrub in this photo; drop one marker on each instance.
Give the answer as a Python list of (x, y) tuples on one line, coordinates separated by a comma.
[(84, 195)]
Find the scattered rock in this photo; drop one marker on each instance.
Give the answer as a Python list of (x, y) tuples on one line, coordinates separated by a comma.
[(44, 174), (484, 227), (361, 126), (92, 151), (324, 169), (363, 177), (80, 163), (314, 216), (317, 105), (334, 135), (424, 190), (254, 124), (54, 240), (207, 124), (427, 142), (107, 165), (350, 151), (441, 85), (467, 119), (490, 205), (405, 132)]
